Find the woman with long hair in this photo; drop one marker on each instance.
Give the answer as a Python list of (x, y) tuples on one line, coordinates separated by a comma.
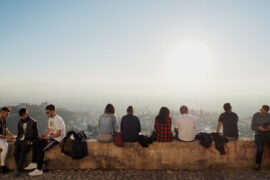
[(107, 124), (163, 124)]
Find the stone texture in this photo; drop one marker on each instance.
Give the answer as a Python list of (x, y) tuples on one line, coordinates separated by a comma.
[(225, 174), (159, 156)]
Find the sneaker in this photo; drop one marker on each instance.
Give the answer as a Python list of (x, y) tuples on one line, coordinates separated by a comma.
[(4, 170), (256, 167), (31, 166), (16, 173), (36, 172)]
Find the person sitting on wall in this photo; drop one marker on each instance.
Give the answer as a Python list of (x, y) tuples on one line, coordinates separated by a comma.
[(27, 134), (185, 125), (107, 124), (130, 126), (259, 120), (229, 121), (163, 123), (5, 135), (52, 137)]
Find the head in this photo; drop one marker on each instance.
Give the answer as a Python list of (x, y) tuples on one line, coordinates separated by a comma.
[(5, 111), (227, 107), (164, 113), (109, 109), (184, 109), (264, 110), (50, 110), (130, 110), (23, 113)]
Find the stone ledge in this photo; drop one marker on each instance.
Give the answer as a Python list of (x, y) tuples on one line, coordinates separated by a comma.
[(158, 156)]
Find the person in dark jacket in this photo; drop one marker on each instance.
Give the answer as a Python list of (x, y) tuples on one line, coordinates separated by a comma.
[(130, 126), (27, 134), (259, 120)]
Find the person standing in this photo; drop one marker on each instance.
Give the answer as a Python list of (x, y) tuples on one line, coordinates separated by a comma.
[(52, 137), (259, 120), (130, 126), (27, 134), (5, 135), (229, 121)]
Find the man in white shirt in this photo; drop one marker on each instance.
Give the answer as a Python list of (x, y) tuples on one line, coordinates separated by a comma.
[(53, 136), (185, 125)]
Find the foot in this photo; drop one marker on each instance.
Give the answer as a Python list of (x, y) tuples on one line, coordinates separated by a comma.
[(31, 166), (256, 167), (16, 173), (4, 170), (36, 172)]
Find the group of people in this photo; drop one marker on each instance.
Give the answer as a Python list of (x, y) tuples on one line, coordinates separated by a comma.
[(184, 128), (27, 138)]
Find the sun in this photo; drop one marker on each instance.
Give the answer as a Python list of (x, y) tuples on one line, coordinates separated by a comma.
[(189, 62)]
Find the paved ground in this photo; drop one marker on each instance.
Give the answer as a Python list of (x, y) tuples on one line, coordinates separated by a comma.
[(145, 175)]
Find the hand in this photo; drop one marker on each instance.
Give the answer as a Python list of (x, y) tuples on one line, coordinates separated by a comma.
[(263, 129), (43, 135), (46, 137), (29, 142)]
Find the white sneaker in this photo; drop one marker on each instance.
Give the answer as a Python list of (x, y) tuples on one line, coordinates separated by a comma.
[(31, 166), (36, 172)]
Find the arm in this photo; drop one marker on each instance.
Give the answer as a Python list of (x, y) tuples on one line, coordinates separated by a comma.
[(115, 124), (35, 131), (122, 125), (139, 126), (218, 127), (57, 134), (254, 125), (46, 133)]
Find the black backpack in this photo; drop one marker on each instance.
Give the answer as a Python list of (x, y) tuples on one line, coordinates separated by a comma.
[(205, 139), (77, 147)]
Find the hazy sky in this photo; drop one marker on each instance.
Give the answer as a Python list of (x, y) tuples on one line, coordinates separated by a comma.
[(141, 47)]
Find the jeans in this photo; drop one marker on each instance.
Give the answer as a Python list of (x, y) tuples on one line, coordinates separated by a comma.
[(39, 148), (20, 151), (260, 145)]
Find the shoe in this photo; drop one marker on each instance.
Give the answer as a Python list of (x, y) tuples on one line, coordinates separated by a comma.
[(16, 173), (36, 172), (256, 167), (31, 166), (4, 170)]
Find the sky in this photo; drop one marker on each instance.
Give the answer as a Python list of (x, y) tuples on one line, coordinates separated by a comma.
[(122, 48)]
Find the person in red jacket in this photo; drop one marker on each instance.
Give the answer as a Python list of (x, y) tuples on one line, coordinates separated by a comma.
[(163, 124)]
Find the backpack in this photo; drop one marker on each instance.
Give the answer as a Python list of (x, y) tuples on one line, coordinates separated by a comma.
[(77, 147), (205, 139)]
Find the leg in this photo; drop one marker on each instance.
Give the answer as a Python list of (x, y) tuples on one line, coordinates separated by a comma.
[(260, 144), (24, 149), (4, 147), (44, 146), (16, 154)]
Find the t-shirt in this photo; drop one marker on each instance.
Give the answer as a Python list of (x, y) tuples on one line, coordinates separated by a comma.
[(55, 124), (186, 125), (24, 126), (229, 122)]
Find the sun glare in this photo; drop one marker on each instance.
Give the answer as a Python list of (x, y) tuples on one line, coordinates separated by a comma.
[(189, 62)]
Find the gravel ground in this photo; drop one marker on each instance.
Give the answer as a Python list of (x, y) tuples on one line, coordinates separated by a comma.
[(145, 175)]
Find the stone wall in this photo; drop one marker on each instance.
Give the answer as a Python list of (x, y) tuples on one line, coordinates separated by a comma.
[(174, 155)]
